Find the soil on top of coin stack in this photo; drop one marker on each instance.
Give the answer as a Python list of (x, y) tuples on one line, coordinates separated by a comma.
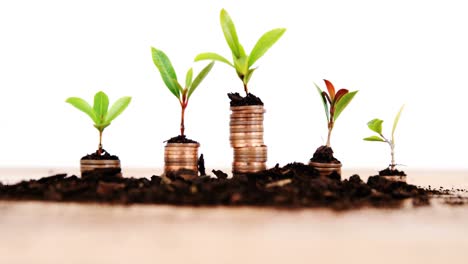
[(324, 154), (103, 156), (249, 99), (295, 185), (180, 139), (390, 172)]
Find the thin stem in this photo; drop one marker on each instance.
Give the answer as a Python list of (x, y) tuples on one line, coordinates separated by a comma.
[(392, 153), (182, 126), (330, 127), (100, 143), (246, 89), (330, 124)]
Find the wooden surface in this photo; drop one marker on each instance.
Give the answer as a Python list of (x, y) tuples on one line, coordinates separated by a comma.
[(35, 232)]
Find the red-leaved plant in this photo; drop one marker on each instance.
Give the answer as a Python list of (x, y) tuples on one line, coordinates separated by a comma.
[(334, 103)]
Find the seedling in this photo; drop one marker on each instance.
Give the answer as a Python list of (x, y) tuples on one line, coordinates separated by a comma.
[(376, 126), (334, 104), (99, 113), (169, 77), (242, 62)]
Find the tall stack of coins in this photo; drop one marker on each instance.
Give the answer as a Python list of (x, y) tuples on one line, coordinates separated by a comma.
[(246, 127), (181, 156)]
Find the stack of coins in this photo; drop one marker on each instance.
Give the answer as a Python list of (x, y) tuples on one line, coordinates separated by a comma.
[(87, 166), (181, 156), (246, 127), (326, 169)]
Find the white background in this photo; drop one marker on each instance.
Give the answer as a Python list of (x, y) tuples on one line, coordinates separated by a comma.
[(393, 52)]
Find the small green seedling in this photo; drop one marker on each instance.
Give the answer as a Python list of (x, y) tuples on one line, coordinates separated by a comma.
[(169, 77), (99, 113), (334, 104), (376, 126), (242, 62)]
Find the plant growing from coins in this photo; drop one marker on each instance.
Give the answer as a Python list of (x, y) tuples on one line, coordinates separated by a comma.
[(243, 63), (169, 77), (376, 126), (100, 113), (334, 103)]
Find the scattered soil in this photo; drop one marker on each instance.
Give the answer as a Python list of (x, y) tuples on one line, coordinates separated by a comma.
[(390, 172), (324, 154), (238, 100), (180, 139), (293, 186), (104, 156)]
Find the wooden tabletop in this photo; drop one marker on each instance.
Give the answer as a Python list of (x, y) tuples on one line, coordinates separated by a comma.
[(38, 232)]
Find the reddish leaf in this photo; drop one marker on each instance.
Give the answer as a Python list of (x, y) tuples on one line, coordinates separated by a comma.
[(331, 89), (340, 94), (325, 95)]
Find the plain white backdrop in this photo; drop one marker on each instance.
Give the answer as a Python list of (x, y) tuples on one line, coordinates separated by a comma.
[(393, 52)]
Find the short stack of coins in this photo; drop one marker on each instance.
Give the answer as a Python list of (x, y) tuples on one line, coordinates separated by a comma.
[(246, 127), (181, 156)]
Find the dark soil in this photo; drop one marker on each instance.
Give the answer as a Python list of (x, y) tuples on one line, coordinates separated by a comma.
[(238, 100), (324, 154), (390, 172), (293, 186), (180, 139), (103, 156)]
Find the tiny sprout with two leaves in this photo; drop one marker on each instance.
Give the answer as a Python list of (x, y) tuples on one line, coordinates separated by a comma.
[(376, 126), (334, 104), (169, 77), (100, 113), (242, 62)]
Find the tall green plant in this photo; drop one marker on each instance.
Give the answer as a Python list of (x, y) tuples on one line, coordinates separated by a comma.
[(334, 104), (376, 126), (100, 113), (169, 77), (243, 63)]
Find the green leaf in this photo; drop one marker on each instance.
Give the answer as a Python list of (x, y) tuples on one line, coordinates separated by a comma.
[(101, 104), (249, 75), (343, 102), (375, 125), (84, 106), (212, 56), (324, 101), (117, 108), (203, 73), (395, 122), (166, 70), (230, 34), (179, 88), (242, 66), (188, 78), (264, 43), (374, 138)]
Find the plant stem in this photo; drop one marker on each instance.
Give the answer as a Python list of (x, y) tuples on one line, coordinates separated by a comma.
[(330, 127), (182, 126), (392, 153), (100, 143), (246, 89)]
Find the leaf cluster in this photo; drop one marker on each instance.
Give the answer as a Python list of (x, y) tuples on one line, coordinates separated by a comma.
[(169, 76), (241, 61), (376, 126), (334, 103), (100, 113)]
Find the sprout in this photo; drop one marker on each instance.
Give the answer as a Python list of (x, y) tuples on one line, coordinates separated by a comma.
[(100, 113), (169, 77), (334, 104), (376, 126), (242, 62)]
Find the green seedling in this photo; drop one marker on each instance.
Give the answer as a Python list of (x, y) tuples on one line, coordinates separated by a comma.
[(242, 62), (376, 126), (334, 104), (100, 113), (169, 77)]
